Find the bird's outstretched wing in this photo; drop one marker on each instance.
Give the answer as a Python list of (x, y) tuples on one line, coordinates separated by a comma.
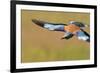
[(41, 23), (88, 40), (83, 35), (54, 27), (49, 26)]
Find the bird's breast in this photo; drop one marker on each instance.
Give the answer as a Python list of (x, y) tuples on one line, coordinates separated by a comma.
[(71, 28)]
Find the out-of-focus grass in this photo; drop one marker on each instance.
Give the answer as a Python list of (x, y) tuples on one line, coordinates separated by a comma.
[(44, 55)]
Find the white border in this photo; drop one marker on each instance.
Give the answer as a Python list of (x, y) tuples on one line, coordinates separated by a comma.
[(20, 65)]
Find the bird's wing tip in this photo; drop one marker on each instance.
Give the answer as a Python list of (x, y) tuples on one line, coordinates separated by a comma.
[(33, 20)]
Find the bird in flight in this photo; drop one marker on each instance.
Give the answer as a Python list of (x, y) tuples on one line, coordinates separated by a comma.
[(70, 29)]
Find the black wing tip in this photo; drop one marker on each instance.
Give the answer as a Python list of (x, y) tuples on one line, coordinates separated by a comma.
[(34, 20), (88, 40), (68, 37), (38, 22)]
